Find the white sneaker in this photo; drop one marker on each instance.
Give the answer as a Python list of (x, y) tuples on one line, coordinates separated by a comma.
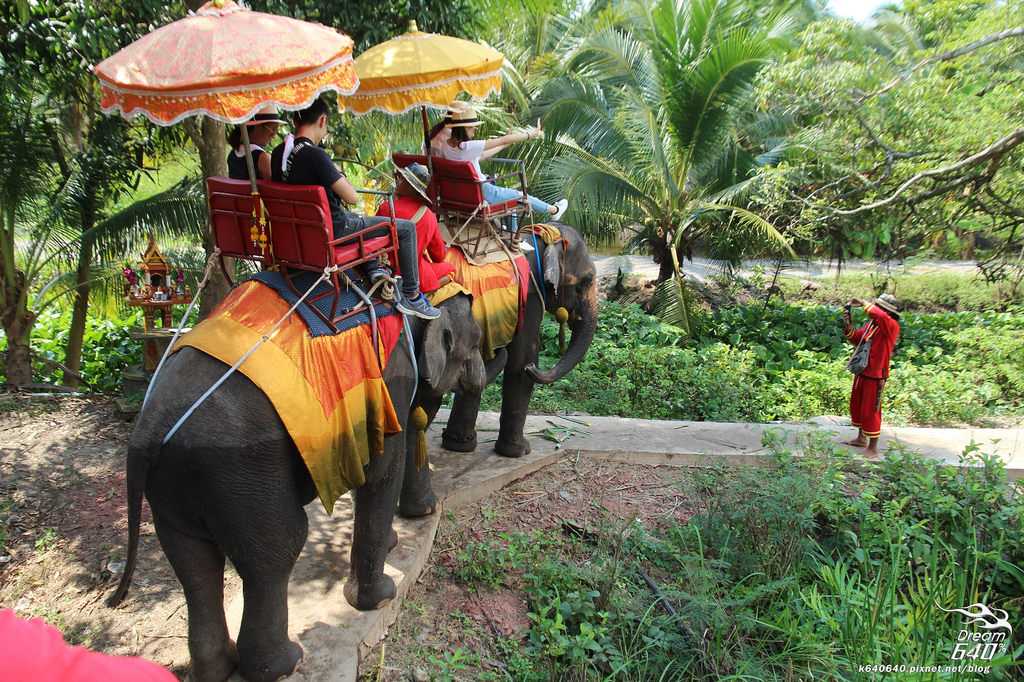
[(560, 207)]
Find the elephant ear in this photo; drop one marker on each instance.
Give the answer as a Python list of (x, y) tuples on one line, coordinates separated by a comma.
[(436, 348), (553, 265)]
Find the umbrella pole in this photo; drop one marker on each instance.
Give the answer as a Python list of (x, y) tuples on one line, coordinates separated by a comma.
[(259, 224), (248, 158), (426, 149)]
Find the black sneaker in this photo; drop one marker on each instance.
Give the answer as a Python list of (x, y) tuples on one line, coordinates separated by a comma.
[(377, 273), (419, 307)]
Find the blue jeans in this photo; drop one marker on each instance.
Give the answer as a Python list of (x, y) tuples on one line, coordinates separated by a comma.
[(408, 252), (493, 194)]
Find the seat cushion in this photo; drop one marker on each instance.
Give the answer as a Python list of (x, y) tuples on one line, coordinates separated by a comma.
[(346, 253), (503, 207)]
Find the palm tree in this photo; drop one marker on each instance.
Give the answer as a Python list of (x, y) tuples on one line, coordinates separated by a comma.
[(40, 229), (646, 116)]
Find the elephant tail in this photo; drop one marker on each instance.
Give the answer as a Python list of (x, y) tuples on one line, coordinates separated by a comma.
[(138, 468)]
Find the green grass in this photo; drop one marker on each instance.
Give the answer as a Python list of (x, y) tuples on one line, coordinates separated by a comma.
[(818, 567), (170, 170), (923, 292)]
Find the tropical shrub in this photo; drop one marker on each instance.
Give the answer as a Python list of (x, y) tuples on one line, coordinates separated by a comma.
[(809, 570), (786, 362)]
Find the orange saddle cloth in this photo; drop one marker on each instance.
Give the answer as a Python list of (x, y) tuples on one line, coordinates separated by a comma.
[(328, 390), (499, 293)]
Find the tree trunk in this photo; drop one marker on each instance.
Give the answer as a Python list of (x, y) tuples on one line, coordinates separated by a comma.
[(662, 253), (967, 244), (210, 140), (17, 323), (76, 334)]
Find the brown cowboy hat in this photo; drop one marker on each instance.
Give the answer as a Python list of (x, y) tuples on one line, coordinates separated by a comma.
[(888, 303), (415, 179), (267, 114), (461, 115)]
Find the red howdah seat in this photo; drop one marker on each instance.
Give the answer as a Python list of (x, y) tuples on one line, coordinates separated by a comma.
[(300, 233), (459, 191)]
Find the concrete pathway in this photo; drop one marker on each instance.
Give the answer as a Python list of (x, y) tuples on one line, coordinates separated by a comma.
[(335, 636), (703, 268)]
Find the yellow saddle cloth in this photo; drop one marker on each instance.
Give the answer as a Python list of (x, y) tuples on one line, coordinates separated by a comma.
[(498, 290), (327, 390)]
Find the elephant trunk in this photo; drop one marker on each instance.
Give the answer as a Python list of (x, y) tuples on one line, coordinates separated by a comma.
[(583, 328)]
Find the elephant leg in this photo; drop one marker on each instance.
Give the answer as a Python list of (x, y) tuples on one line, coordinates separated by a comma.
[(516, 391), (271, 546), (517, 386), (199, 565), (368, 588), (460, 433), (417, 498)]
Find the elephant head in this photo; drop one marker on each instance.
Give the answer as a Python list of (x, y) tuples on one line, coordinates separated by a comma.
[(576, 291), (449, 354)]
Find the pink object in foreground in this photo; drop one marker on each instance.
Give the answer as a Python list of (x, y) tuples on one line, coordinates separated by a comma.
[(33, 650)]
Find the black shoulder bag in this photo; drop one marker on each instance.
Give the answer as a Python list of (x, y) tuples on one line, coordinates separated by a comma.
[(858, 362)]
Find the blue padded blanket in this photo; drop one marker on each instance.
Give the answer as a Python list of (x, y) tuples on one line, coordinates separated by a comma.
[(316, 326)]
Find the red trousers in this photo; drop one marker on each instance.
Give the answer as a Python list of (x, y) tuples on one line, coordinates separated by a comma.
[(866, 405)]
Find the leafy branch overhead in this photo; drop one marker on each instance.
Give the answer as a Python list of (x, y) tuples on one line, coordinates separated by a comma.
[(907, 133)]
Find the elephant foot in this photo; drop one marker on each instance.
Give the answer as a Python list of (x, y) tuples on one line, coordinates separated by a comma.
[(370, 597), (273, 666), (214, 667), (517, 448), (415, 509), (458, 442), (393, 540)]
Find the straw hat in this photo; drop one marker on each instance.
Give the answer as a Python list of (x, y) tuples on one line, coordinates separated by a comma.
[(415, 176), (888, 303), (461, 115), (267, 114)]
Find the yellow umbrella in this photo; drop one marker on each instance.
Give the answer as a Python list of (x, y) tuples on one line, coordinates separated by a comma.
[(419, 69)]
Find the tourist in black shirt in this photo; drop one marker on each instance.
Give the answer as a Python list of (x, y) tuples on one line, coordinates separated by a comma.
[(301, 161), (262, 129)]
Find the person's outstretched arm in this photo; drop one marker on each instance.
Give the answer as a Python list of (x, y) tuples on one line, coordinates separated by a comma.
[(496, 144)]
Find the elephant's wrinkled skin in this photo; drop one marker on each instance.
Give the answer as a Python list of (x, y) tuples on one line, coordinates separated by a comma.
[(231, 484), (577, 293)]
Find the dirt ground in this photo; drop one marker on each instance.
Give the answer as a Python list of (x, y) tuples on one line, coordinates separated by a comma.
[(63, 512), (442, 616)]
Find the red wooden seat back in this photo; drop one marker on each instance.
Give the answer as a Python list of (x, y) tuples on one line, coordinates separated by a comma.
[(458, 189), (231, 218), (457, 185), (300, 224)]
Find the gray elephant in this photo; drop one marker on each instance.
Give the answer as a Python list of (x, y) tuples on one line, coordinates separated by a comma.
[(576, 291), (230, 483)]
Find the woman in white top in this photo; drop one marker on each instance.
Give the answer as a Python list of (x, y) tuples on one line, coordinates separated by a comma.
[(460, 146)]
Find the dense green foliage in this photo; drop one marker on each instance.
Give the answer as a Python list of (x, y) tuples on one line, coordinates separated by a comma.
[(926, 85), (786, 362), (807, 573)]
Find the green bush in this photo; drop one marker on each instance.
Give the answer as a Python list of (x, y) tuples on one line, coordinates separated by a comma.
[(806, 570), (786, 362), (107, 348)]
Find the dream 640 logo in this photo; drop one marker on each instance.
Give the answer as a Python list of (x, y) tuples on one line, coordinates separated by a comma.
[(989, 637)]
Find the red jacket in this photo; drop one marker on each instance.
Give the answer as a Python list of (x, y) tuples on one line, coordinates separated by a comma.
[(884, 335), (432, 248), (33, 650)]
